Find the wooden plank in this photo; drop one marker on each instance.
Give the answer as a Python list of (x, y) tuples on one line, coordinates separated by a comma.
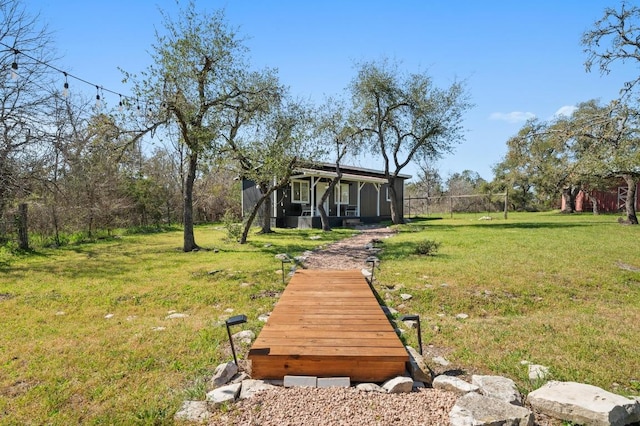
[(329, 351), (360, 327), (376, 342), (357, 369), (297, 333)]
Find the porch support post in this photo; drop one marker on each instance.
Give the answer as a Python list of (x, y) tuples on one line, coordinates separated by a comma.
[(360, 186), (339, 197), (377, 185), (313, 197), (275, 199)]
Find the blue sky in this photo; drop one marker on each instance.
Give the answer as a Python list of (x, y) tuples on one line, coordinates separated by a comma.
[(519, 59)]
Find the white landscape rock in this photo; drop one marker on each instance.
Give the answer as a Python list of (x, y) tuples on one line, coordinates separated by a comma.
[(498, 387), (410, 324), (223, 373), (369, 387), (176, 315), (399, 384), (406, 296), (239, 378), (193, 411), (453, 384), (474, 409), (440, 360), (418, 369), (245, 336), (219, 396), (462, 316), (537, 372), (250, 387), (584, 404)]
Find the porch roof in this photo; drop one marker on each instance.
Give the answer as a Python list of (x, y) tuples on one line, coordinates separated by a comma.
[(331, 175)]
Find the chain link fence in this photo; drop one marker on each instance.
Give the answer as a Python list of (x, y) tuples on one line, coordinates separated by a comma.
[(449, 204)]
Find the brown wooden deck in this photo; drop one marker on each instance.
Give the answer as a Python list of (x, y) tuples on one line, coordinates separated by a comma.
[(328, 323)]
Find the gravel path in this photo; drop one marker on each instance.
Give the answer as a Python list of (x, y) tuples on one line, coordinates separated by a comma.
[(349, 253), (339, 406)]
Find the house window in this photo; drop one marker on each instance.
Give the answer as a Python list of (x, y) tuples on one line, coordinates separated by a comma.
[(341, 193), (300, 191), (388, 197)]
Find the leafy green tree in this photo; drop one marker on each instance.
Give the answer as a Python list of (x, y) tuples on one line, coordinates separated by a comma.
[(405, 117), (336, 139), (608, 145), (541, 159), (269, 155), (199, 72)]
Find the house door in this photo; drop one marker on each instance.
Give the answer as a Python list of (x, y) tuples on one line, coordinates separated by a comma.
[(320, 188)]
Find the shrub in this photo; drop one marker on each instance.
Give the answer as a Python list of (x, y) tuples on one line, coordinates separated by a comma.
[(427, 247), (231, 224)]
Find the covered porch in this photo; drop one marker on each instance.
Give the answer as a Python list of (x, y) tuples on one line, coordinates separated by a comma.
[(355, 199)]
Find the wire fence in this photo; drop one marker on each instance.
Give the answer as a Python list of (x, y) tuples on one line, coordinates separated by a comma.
[(450, 204)]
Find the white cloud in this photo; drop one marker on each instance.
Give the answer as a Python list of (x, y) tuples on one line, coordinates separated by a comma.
[(512, 117), (566, 111)]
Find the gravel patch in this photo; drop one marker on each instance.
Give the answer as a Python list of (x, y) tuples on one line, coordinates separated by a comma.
[(339, 406), (349, 253)]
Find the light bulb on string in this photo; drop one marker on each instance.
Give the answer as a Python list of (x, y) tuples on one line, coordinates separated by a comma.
[(120, 105), (14, 66), (98, 103), (65, 90)]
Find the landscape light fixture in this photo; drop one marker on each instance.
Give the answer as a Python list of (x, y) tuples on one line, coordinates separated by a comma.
[(284, 260), (238, 319), (417, 319), (372, 260)]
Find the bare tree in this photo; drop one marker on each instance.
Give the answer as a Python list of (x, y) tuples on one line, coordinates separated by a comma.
[(614, 38), (25, 51)]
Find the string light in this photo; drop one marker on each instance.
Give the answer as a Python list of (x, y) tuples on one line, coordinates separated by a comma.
[(14, 65), (98, 104), (124, 101), (65, 90)]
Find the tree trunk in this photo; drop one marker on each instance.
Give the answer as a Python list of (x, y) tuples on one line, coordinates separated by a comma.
[(324, 218), (252, 216), (189, 239), (569, 200), (395, 208), (23, 234), (268, 208), (594, 202), (630, 203)]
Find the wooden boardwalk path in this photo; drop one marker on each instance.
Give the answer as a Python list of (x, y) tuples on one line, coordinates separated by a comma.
[(328, 323)]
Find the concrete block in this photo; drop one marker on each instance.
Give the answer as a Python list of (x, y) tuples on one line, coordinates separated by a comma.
[(300, 381), (334, 382)]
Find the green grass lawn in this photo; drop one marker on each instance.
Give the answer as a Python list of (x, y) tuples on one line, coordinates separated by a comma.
[(63, 362), (546, 288)]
